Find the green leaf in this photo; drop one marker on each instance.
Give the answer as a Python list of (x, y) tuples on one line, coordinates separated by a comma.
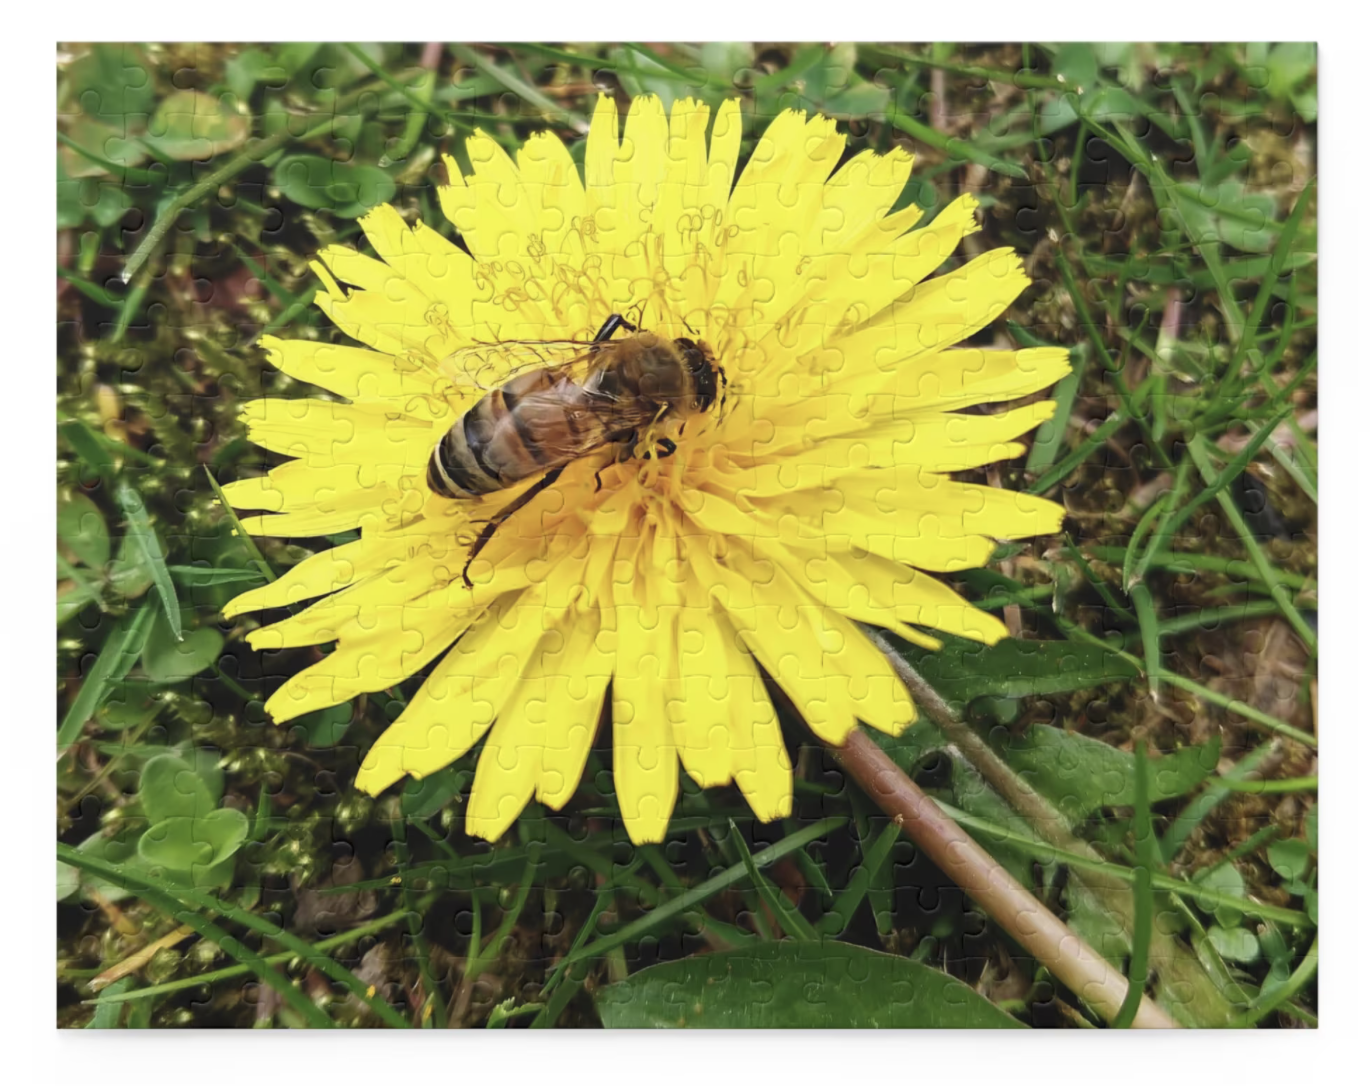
[(1111, 104), (346, 189), (789, 985), (117, 656), (861, 100), (1235, 944), (149, 550), (81, 526), (1080, 774), (88, 448), (1224, 879), (325, 727), (116, 847), (129, 574), (726, 58), (238, 531), (250, 67), (209, 576), (167, 660), (1014, 668), (1229, 212), (1288, 858), (107, 1015), (641, 73), (199, 847), (73, 596), (1076, 66), (294, 55), (426, 797), (170, 788), (112, 83), (955, 148), (68, 880), (1289, 64), (974, 795), (128, 705), (190, 125), (99, 141)]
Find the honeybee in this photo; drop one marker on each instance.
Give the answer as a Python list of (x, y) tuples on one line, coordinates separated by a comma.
[(600, 393)]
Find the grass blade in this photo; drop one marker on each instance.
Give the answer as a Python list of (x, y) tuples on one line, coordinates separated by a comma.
[(835, 922), (529, 94), (1046, 446), (1178, 562), (1265, 720), (952, 147), (789, 918), (1271, 1001), (1042, 851), (1224, 478), (147, 545), (183, 901), (394, 84), (231, 972), (87, 447), (117, 657), (239, 531), (1151, 637), (1163, 531), (206, 576), (1086, 448), (434, 1010), (705, 890), (1143, 903), (1277, 591), (1278, 258), (160, 899)]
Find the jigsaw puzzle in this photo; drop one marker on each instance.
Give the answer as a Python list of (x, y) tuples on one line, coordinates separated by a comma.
[(687, 535)]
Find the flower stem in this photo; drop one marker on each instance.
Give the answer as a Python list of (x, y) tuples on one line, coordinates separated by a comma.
[(1045, 819), (1070, 959), (1185, 988)]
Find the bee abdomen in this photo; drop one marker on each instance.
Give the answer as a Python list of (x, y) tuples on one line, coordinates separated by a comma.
[(458, 467), (498, 442)]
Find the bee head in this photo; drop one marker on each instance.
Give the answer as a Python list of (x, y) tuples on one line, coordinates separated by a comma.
[(699, 360)]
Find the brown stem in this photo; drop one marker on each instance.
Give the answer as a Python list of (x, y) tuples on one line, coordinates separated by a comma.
[(1049, 823), (1194, 995), (1031, 924)]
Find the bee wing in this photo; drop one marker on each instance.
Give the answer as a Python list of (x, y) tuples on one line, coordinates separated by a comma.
[(490, 365), (569, 421)]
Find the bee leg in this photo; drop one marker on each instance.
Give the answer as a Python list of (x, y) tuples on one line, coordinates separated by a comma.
[(612, 325), (487, 533), (664, 447)]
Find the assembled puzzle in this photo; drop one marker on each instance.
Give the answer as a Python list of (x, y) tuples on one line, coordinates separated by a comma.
[(687, 535)]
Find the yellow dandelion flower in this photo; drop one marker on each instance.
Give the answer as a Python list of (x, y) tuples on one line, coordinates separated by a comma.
[(668, 571)]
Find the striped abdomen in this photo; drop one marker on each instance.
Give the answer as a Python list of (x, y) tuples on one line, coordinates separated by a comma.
[(537, 421)]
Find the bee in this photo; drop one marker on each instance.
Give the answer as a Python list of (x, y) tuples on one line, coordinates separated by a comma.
[(600, 393)]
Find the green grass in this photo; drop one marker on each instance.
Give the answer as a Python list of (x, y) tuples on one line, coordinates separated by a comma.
[(1169, 229)]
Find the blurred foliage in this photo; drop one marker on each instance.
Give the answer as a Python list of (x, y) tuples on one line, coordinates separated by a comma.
[(1163, 199)]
